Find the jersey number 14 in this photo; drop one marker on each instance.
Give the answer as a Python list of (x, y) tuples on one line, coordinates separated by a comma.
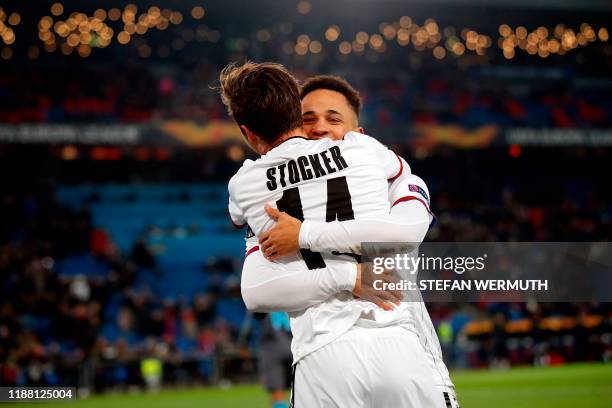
[(338, 207)]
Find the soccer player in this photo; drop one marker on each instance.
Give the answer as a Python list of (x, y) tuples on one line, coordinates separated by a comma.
[(275, 356), (330, 108), (346, 352)]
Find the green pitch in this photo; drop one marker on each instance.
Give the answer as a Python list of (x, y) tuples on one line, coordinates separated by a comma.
[(583, 385)]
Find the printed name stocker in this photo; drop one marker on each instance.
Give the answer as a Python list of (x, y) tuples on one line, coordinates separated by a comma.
[(306, 168)]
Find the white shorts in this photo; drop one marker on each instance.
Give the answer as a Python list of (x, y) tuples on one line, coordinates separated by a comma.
[(367, 367)]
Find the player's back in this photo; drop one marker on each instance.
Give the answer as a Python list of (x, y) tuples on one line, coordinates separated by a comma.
[(320, 180)]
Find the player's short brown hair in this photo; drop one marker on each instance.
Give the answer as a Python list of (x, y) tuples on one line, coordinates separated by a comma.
[(333, 83), (264, 97)]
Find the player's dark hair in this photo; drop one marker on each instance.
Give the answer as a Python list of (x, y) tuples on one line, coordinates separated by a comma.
[(264, 97), (333, 83)]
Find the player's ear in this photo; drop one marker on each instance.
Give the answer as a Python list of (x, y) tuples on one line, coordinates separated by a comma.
[(360, 129), (252, 139), (250, 136)]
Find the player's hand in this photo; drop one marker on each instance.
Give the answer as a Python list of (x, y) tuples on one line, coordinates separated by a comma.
[(282, 239), (365, 287)]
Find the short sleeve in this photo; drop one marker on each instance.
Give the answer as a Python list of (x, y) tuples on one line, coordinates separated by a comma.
[(409, 187), (389, 161), (235, 212)]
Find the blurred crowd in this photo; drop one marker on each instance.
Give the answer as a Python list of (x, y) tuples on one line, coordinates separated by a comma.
[(136, 95), (94, 329)]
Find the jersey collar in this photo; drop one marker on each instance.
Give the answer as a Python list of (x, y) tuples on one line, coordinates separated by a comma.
[(284, 143)]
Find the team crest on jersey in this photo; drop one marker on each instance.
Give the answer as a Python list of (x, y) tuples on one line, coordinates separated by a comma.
[(418, 189)]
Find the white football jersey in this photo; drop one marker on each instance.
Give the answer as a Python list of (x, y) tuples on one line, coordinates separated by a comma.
[(371, 166), (320, 180), (411, 187)]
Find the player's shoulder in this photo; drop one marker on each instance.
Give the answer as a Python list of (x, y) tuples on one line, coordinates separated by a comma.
[(362, 140), (417, 185), (356, 137), (414, 179), (235, 180)]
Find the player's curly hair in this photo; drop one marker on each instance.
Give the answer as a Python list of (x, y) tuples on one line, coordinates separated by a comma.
[(333, 83), (264, 97)]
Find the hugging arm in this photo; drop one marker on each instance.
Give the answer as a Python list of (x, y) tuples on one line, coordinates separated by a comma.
[(407, 223), (267, 286)]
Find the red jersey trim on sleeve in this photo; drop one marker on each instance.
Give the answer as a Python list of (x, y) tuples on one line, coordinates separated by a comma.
[(408, 198), (399, 173)]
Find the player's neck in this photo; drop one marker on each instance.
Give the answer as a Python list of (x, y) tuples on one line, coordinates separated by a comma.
[(292, 133)]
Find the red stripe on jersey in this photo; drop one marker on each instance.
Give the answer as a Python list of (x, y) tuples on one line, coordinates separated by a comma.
[(399, 173), (408, 198), (250, 251)]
